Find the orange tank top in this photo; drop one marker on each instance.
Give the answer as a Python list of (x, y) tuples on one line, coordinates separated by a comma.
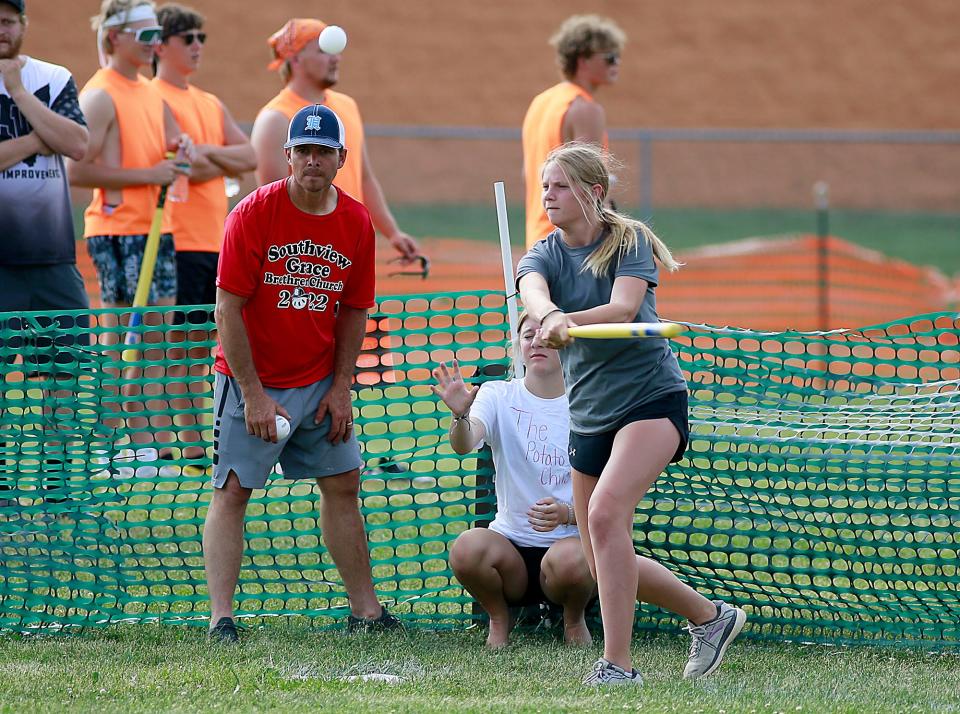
[(350, 177), (139, 111), (198, 222), (542, 133)]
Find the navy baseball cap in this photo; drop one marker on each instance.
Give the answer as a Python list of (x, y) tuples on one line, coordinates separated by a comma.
[(18, 5), (316, 125)]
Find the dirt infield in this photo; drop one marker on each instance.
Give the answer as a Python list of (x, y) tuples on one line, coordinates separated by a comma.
[(843, 64), (738, 63)]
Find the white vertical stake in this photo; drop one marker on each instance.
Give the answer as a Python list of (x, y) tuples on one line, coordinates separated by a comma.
[(509, 285)]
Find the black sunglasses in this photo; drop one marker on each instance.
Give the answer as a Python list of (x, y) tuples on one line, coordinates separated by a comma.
[(612, 58), (189, 37)]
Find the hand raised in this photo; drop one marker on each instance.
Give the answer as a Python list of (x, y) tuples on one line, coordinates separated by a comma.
[(451, 388)]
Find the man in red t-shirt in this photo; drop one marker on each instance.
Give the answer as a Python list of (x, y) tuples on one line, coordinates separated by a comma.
[(294, 283)]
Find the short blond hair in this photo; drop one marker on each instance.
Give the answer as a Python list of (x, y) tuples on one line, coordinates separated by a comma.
[(109, 8), (582, 36)]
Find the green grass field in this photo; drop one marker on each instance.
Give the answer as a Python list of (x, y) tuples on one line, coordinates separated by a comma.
[(767, 533), (285, 667)]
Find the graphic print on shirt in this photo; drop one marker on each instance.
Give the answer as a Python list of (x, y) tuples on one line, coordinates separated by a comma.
[(12, 122), (552, 463), (311, 270)]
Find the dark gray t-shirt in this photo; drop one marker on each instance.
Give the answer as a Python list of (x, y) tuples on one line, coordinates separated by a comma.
[(605, 378)]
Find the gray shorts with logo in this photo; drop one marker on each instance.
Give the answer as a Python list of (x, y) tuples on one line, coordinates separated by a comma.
[(306, 453)]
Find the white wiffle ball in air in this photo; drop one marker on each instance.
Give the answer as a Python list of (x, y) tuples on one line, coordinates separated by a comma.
[(283, 427), (332, 39)]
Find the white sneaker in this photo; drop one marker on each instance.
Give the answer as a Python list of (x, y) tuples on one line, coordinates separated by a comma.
[(143, 454), (607, 673), (711, 639)]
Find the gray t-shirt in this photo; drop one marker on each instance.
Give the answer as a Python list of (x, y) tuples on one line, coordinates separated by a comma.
[(605, 378)]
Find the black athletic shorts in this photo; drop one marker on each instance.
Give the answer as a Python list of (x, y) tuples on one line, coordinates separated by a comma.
[(590, 453), (196, 284), (44, 339), (532, 557)]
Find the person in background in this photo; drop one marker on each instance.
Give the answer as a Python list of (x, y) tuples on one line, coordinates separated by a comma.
[(40, 124), (131, 130), (222, 151), (588, 53), (309, 75)]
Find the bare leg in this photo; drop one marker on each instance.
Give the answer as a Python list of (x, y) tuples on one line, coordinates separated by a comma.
[(192, 372), (143, 433), (490, 568), (223, 545), (566, 580), (346, 540), (583, 488), (641, 451), (139, 424)]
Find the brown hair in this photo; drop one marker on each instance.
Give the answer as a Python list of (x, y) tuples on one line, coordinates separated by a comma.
[(174, 19), (582, 36), (286, 72)]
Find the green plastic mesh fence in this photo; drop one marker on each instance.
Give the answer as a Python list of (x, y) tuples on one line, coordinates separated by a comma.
[(821, 489)]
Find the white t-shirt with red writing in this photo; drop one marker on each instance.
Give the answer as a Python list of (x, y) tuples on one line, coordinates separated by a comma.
[(528, 437), (294, 268)]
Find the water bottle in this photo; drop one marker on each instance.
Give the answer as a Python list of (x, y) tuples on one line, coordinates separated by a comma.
[(231, 186), (179, 190)]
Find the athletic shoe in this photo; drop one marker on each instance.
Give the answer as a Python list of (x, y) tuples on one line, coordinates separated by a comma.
[(225, 632), (607, 673), (146, 455), (711, 639), (386, 621)]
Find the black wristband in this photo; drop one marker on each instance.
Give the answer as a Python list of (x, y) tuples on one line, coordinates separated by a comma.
[(556, 309)]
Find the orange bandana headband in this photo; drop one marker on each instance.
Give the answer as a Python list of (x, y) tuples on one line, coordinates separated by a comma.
[(291, 38)]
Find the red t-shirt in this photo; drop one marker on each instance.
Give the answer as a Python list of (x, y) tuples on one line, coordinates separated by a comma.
[(293, 268)]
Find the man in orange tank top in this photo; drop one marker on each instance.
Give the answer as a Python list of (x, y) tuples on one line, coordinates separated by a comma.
[(588, 53), (131, 129), (223, 150), (309, 75)]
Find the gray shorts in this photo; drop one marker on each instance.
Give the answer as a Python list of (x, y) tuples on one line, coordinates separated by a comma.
[(306, 453)]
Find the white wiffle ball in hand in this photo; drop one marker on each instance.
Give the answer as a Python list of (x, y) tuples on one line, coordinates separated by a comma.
[(283, 427), (332, 39)]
